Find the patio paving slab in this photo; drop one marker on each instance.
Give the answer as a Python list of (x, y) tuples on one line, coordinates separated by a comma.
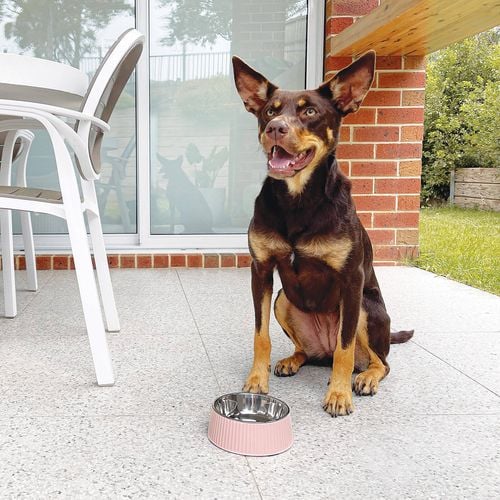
[(419, 383), (475, 354), (430, 303), (432, 431), (118, 457), (155, 376), (23, 295), (59, 311), (385, 458)]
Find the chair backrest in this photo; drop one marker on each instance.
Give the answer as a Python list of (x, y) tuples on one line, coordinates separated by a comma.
[(103, 93)]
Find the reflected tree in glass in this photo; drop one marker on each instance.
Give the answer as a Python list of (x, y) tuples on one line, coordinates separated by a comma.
[(59, 30), (73, 32), (202, 21), (197, 21)]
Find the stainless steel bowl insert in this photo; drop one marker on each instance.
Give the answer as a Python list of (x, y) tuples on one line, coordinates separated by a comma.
[(252, 408)]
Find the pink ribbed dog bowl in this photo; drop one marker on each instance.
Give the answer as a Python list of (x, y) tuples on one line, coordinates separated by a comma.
[(256, 425)]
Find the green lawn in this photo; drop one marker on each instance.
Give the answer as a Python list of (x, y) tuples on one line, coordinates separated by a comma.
[(461, 244)]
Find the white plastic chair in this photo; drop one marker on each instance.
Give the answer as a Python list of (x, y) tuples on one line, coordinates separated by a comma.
[(84, 143), (15, 146)]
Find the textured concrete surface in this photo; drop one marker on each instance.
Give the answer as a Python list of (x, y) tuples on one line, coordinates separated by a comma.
[(432, 431)]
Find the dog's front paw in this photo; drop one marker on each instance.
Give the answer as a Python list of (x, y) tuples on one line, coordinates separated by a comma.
[(287, 367), (257, 383), (338, 402), (366, 384)]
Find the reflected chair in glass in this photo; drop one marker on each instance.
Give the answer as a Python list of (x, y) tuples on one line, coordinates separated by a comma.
[(114, 182), (77, 197), (15, 146)]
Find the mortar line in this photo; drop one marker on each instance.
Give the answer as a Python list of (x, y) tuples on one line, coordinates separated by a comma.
[(456, 369), (34, 295)]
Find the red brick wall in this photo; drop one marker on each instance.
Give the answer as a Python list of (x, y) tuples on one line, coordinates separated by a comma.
[(381, 145), (142, 261)]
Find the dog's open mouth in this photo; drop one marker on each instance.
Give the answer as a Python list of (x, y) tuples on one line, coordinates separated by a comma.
[(280, 161)]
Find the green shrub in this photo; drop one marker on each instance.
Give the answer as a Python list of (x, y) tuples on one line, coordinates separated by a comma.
[(462, 112), (481, 112)]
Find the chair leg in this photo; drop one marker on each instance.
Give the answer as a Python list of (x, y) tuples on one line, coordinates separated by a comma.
[(29, 251), (9, 283), (103, 275), (27, 230), (101, 260), (89, 298)]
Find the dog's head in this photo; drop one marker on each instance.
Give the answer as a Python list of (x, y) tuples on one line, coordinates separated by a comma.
[(298, 129)]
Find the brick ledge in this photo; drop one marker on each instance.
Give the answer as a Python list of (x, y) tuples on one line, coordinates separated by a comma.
[(191, 260)]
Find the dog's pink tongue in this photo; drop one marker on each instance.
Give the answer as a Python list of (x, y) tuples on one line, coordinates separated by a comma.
[(280, 158)]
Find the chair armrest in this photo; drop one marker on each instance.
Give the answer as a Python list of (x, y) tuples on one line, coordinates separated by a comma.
[(55, 110), (64, 164), (36, 119)]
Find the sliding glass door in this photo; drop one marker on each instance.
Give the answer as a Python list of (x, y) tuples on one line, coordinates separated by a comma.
[(182, 164)]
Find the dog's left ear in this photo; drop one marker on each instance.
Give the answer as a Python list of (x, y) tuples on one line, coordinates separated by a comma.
[(254, 88), (349, 86)]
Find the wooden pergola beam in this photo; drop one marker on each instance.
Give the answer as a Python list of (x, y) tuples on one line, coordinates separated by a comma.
[(416, 27)]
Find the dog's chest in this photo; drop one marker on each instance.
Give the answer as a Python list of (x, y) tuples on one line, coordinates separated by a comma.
[(309, 282)]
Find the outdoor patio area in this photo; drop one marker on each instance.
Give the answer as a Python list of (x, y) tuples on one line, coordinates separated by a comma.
[(432, 431)]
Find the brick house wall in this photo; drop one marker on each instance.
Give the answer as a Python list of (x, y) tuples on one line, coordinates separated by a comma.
[(381, 145)]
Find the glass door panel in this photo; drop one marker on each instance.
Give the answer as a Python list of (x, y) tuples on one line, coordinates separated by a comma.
[(79, 33), (206, 164)]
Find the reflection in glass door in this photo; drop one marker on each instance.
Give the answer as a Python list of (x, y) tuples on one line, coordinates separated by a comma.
[(79, 33), (206, 165)]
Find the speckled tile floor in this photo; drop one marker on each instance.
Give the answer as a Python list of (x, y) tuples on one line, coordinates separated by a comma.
[(433, 431)]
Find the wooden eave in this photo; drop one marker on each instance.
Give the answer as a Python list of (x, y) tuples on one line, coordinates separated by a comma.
[(416, 27)]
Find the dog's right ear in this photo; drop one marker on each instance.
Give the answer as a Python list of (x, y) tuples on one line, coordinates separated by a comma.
[(254, 89), (349, 86)]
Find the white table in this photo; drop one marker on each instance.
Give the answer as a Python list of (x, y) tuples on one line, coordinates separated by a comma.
[(26, 78)]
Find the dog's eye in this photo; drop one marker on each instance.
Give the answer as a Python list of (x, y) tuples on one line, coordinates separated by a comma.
[(270, 112), (310, 111)]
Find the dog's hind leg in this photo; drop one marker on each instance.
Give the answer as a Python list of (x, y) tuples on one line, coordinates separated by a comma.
[(291, 365), (374, 369)]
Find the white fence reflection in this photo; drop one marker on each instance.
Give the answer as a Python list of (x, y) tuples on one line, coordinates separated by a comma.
[(177, 67)]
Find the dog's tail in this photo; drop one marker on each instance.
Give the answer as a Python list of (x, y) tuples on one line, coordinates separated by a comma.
[(401, 336)]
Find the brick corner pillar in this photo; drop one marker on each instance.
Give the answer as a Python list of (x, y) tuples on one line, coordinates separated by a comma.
[(380, 146)]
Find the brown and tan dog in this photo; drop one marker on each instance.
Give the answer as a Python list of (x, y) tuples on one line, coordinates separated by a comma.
[(305, 226)]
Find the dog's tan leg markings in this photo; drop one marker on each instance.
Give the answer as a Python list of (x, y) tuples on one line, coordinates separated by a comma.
[(288, 367), (264, 248), (333, 251), (258, 379), (338, 399), (366, 383), (291, 365), (262, 289)]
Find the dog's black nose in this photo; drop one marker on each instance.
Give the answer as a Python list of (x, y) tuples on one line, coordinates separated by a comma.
[(277, 127)]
